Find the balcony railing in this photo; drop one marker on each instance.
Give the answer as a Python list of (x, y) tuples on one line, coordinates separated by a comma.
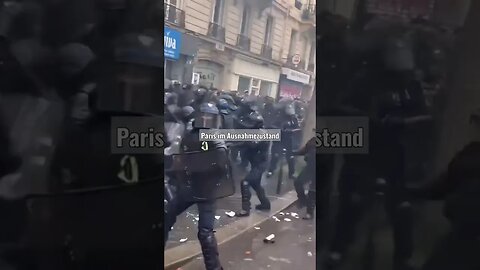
[(243, 42), (266, 51), (309, 13), (174, 15), (216, 31)]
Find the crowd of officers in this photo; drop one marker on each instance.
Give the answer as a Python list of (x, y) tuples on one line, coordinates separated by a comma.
[(381, 68), (189, 108), (68, 67)]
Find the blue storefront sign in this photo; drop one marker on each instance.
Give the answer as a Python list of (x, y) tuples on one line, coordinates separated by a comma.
[(172, 43)]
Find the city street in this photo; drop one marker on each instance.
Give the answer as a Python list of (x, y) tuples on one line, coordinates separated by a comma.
[(294, 246), (185, 229)]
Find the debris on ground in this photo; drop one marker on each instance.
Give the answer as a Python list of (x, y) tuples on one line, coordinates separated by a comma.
[(183, 240), (230, 213)]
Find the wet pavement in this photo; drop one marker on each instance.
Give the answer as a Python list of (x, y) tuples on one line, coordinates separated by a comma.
[(294, 246), (185, 229)]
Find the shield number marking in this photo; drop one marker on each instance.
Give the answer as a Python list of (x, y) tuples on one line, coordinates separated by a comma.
[(128, 170), (205, 146)]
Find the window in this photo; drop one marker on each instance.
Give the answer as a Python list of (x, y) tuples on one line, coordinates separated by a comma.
[(243, 84), (293, 42), (268, 31), (255, 88), (265, 88), (217, 15), (245, 19)]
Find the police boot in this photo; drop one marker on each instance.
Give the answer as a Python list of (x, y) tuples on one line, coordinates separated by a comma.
[(264, 201), (246, 196), (302, 198), (209, 249), (310, 205)]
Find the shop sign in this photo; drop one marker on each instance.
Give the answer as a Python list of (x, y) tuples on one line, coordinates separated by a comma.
[(296, 76), (208, 73), (172, 43), (196, 79)]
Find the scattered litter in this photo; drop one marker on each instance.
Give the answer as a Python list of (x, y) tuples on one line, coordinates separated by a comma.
[(183, 240), (276, 219), (248, 252), (256, 228), (197, 219), (230, 214), (285, 260), (269, 239), (281, 213), (171, 228), (288, 214), (309, 239), (309, 254), (248, 259), (217, 217), (287, 219), (294, 214)]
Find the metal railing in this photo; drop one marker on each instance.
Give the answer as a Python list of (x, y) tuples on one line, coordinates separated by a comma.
[(266, 51), (243, 42), (216, 31), (309, 13), (174, 15)]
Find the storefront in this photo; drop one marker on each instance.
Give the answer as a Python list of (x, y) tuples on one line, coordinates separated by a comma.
[(254, 77), (294, 84), (179, 52), (209, 73)]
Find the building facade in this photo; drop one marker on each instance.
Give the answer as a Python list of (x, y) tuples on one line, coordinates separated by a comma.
[(241, 44)]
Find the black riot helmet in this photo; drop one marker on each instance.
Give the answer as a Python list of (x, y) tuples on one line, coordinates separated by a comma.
[(290, 110), (253, 120), (399, 53), (188, 113), (136, 83), (207, 117), (223, 106)]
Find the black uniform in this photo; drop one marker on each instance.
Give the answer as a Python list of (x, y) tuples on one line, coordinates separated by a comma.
[(289, 129), (388, 94), (256, 154), (200, 175)]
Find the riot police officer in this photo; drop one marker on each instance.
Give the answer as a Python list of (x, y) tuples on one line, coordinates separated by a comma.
[(226, 111), (395, 100), (256, 154), (307, 175), (289, 125), (208, 175)]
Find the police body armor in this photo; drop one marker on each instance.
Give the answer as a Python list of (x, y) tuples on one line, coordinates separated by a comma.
[(102, 204), (202, 170)]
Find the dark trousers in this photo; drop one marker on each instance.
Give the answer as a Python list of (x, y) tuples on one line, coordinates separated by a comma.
[(206, 214), (306, 176), (206, 236), (357, 191), (253, 180), (277, 154)]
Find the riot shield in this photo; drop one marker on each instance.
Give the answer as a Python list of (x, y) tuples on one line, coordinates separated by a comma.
[(204, 175)]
